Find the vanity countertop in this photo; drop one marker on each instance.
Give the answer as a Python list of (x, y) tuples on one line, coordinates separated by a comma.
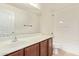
[(22, 42)]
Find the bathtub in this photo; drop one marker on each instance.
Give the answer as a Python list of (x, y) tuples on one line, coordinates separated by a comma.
[(73, 51), (69, 48)]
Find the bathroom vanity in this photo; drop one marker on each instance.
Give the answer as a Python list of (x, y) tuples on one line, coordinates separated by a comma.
[(43, 48), (28, 45)]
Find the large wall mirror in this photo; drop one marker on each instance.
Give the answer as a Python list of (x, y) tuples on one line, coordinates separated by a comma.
[(6, 22)]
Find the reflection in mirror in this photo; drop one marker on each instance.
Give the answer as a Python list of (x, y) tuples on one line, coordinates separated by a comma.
[(6, 23)]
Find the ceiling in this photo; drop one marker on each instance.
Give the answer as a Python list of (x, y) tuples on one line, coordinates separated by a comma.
[(57, 6), (53, 6), (24, 6)]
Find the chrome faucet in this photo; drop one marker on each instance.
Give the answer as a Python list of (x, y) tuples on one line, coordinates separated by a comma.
[(14, 38)]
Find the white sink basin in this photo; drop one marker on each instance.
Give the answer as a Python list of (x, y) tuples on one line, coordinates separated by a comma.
[(11, 44)]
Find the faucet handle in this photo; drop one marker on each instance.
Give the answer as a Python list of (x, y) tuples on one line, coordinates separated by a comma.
[(51, 32), (15, 39), (13, 32)]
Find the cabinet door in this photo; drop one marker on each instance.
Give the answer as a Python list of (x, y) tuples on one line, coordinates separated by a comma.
[(32, 50), (43, 48), (50, 47), (17, 53), (13, 54), (21, 52)]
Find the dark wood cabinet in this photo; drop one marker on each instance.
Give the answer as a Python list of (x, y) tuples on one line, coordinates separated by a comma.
[(50, 47), (43, 48), (32, 50), (17, 53)]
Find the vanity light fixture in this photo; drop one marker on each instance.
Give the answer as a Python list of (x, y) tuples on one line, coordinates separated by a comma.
[(36, 5)]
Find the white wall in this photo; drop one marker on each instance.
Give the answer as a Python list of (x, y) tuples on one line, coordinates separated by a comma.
[(46, 20), (19, 18), (66, 34)]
